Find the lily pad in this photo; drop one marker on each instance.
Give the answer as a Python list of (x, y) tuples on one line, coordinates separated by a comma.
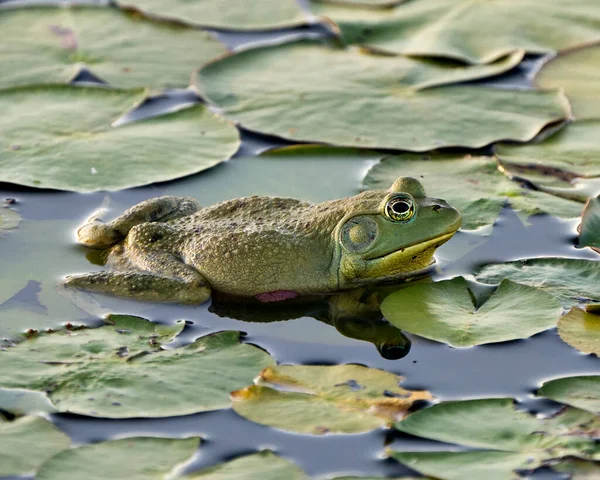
[(325, 399), (21, 402), (26, 443), (578, 469), (9, 219), (473, 32), (135, 458), (571, 281), (510, 439), (227, 14), (355, 98), (581, 330), (445, 312), (114, 371), (52, 45), (473, 185), (61, 137), (264, 465), (581, 392), (589, 230)]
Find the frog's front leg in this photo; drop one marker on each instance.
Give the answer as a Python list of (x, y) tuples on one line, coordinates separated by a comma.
[(96, 234)]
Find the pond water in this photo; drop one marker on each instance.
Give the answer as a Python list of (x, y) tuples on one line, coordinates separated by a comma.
[(512, 369)]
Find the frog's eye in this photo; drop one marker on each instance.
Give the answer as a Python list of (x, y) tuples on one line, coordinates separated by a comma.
[(400, 208)]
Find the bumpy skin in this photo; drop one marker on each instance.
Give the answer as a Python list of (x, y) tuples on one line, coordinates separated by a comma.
[(170, 249)]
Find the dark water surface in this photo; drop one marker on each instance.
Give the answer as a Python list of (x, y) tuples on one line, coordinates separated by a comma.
[(512, 369)]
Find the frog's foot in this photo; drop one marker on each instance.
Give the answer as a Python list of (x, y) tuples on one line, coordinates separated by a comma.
[(143, 286), (276, 296)]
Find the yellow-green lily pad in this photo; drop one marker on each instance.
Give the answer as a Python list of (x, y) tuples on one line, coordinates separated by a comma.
[(507, 439), (581, 330), (26, 443), (325, 399), (52, 45), (589, 229), (64, 137), (355, 98), (581, 392), (446, 312), (120, 370), (472, 184), (135, 458), (473, 32)]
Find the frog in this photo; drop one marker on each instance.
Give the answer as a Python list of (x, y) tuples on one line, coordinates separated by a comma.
[(170, 249)]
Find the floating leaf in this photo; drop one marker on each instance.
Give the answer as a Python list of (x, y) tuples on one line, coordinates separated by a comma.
[(227, 14), (571, 281), (581, 330), (589, 230), (445, 312), (21, 402), (135, 458), (61, 137), (264, 465), (581, 392), (351, 97), (511, 439), (578, 469), (473, 185), (52, 45), (325, 399), (474, 32), (26, 443), (9, 219), (115, 371)]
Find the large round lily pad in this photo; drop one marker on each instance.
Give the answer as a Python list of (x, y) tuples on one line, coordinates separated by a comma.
[(136, 458), (351, 97), (474, 32), (227, 14), (473, 185), (581, 330), (445, 312), (26, 443), (120, 370), (581, 392), (61, 137), (510, 439), (52, 45), (571, 281), (325, 399)]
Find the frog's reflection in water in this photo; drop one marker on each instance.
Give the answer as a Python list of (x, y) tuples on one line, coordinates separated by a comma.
[(355, 314)]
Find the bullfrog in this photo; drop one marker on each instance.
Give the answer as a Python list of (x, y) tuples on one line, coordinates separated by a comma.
[(271, 248)]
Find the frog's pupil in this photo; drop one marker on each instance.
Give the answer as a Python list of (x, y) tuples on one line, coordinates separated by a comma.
[(400, 207)]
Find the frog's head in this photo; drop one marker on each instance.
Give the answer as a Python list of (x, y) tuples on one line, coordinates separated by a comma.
[(387, 234)]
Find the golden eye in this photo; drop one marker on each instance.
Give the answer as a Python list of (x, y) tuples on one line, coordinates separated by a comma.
[(400, 208)]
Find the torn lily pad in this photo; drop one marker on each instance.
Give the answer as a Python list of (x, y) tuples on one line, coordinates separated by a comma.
[(446, 312), (472, 32), (581, 330), (26, 443), (63, 137), (114, 371), (325, 399), (507, 439), (52, 45), (572, 281), (581, 392), (473, 185), (355, 98), (135, 458)]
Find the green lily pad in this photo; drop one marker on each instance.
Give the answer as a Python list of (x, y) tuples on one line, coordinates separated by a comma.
[(445, 312), (578, 469), (325, 399), (61, 137), (226, 14), (581, 330), (26, 443), (351, 97), (114, 371), (509, 439), (9, 219), (52, 45), (473, 32), (264, 465), (581, 392), (473, 185), (589, 230), (135, 458), (22, 402), (571, 281)]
